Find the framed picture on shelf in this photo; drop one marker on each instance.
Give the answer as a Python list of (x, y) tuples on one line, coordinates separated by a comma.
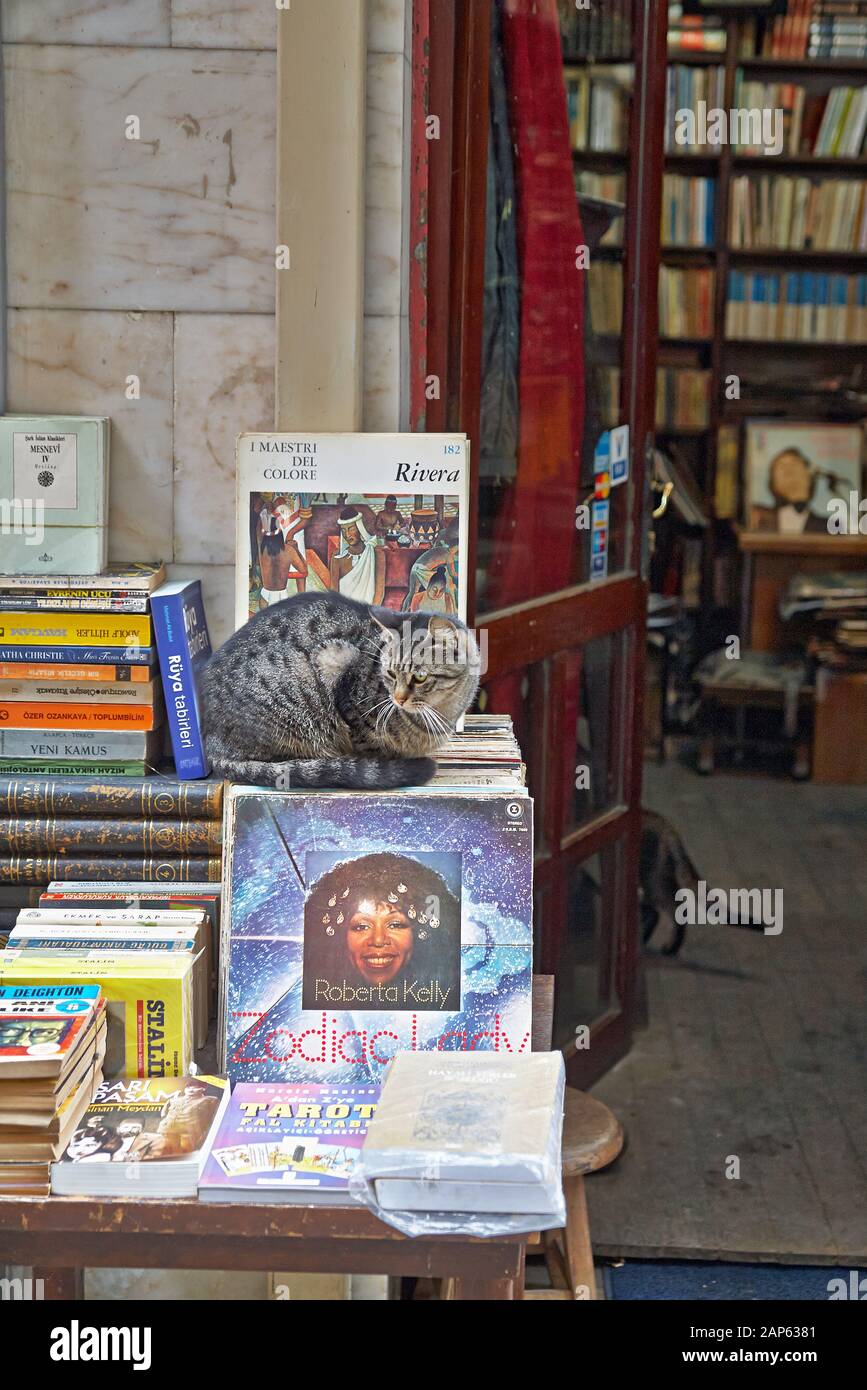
[(794, 469)]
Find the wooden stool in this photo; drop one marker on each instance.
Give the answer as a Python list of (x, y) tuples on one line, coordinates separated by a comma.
[(592, 1138)]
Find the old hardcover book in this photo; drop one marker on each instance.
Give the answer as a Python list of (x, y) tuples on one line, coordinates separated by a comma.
[(76, 835), (398, 539), (356, 926), (10, 768), (42, 869), (284, 1143), (144, 1136), (148, 798)]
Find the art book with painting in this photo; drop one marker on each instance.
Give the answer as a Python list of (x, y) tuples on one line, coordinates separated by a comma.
[(358, 926), (395, 538)]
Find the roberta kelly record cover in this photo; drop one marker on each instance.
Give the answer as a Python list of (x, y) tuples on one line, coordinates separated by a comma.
[(357, 926)]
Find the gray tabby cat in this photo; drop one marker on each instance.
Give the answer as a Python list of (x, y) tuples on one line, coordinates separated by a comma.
[(320, 691)]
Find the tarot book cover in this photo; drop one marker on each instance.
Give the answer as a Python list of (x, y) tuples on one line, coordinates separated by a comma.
[(357, 926), (398, 539), (285, 1140)]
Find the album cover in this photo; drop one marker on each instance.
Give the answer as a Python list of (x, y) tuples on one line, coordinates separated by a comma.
[(794, 471), (396, 539), (358, 926)]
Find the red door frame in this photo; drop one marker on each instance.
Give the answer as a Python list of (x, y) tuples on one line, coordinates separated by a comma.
[(450, 67)]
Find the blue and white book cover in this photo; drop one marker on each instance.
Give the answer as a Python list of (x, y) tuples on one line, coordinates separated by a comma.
[(184, 648), (357, 926)]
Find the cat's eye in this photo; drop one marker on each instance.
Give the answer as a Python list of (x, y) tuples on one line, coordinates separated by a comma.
[(392, 674), (421, 676)]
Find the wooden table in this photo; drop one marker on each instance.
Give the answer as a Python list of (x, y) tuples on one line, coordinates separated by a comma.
[(61, 1236)]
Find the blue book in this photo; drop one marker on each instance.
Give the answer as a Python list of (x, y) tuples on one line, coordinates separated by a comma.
[(81, 656), (184, 647)]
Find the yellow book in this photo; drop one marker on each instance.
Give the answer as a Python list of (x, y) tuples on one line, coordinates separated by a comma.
[(75, 629), (149, 1003)]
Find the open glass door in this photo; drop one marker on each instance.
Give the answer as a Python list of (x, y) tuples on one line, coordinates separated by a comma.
[(536, 208)]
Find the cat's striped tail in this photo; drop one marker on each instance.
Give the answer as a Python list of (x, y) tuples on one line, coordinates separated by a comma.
[(356, 773)]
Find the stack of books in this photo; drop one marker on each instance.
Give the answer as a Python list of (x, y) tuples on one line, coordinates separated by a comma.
[(817, 29), (798, 214), (52, 1045), (686, 301), (148, 974), (838, 29), (799, 306), (79, 683), (108, 829), (144, 1136)]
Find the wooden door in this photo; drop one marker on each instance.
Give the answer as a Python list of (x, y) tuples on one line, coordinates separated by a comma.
[(564, 652)]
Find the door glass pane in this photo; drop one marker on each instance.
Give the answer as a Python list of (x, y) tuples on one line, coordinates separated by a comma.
[(595, 695), (585, 986), (553, 310)]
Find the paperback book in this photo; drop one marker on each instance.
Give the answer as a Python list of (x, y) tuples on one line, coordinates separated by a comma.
[(395, 540), (288, 1143), (142, 1138), (357, 926)]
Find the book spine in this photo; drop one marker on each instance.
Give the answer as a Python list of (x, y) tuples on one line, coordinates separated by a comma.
[(48, 745), (41, 870), (59, 603), (47, 835), (99, 675), (19, 714), (117, 657), (179, 687), (115, 630), (97, 693), (148, 799), (10, 768)]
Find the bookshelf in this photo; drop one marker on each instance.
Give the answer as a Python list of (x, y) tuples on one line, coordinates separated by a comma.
[(765, 364)]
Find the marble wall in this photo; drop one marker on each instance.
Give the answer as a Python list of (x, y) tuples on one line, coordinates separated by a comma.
[(154, 257)]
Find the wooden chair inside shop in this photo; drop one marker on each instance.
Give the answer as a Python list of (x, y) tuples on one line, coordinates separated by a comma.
[(592, 1138)]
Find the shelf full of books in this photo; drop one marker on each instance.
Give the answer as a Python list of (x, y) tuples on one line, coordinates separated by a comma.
[(797, 213), (797, 307)]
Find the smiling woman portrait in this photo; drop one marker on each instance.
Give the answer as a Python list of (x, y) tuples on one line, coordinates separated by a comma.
[(382, 932)]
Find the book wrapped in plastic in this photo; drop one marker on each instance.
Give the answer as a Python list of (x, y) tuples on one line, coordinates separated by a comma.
[(466, 1144)]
